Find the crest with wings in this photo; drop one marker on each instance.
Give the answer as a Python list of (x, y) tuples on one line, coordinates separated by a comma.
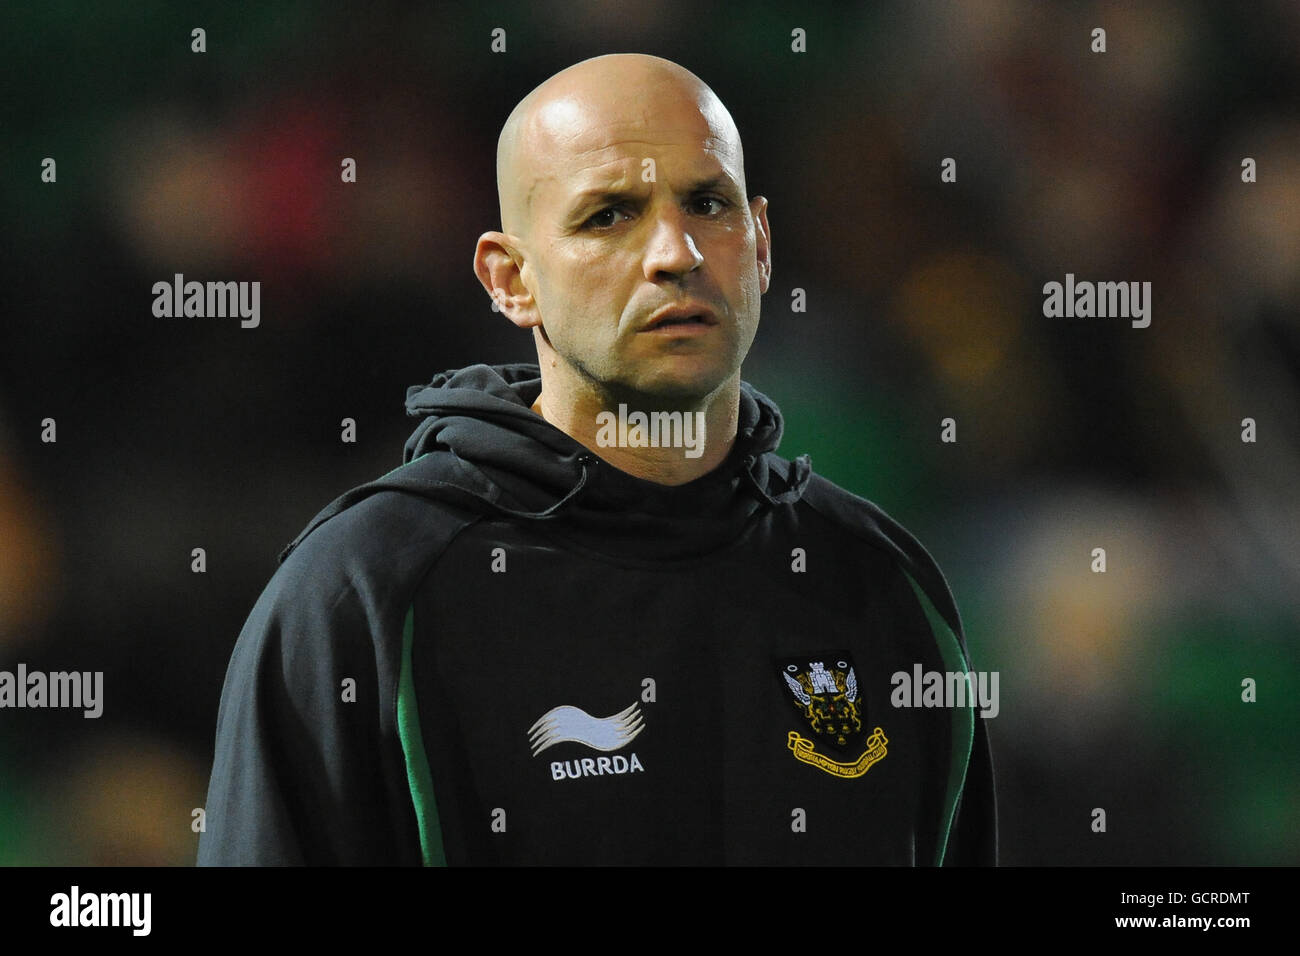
[(825, 692)]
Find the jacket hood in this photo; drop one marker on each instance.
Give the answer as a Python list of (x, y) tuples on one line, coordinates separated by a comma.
[(479, 444)]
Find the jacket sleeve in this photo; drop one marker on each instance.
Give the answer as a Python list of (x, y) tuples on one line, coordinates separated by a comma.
[(973, 834), (308, 768), (974, 837)]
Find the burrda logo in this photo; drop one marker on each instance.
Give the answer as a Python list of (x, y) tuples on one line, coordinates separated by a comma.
[(568, 724)]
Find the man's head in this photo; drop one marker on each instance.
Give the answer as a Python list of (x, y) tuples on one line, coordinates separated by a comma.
[(622, 190)]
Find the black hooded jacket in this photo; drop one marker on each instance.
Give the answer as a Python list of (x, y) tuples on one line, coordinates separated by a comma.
[(507, 651)]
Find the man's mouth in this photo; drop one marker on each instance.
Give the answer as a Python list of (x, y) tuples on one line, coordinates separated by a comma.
[(681, 318)]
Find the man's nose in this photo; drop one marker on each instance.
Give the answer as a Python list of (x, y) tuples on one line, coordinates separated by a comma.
[(671, 249)]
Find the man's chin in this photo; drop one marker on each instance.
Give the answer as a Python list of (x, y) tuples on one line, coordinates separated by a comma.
[(676, 389)]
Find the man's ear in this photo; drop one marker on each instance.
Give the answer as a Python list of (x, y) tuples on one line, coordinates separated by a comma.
[(762, 242), (498, 269)]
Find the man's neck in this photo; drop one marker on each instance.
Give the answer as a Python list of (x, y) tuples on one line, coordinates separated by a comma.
[(691, 442)]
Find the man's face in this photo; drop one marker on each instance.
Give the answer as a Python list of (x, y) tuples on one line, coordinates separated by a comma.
[(632, 213)]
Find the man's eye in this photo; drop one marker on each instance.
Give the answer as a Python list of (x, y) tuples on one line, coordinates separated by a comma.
[(604, 218), (719, 204)]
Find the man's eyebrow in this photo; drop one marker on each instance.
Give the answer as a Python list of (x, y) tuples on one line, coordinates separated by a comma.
[(719, 182), (600, 194)]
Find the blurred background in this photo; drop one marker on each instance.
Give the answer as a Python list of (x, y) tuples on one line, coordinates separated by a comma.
[(924, 301)]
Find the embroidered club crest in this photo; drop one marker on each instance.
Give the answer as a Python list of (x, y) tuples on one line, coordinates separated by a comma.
[(824, 691)]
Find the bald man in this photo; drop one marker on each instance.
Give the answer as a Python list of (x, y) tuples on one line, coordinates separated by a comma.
[(631, 251), (594, 618)]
